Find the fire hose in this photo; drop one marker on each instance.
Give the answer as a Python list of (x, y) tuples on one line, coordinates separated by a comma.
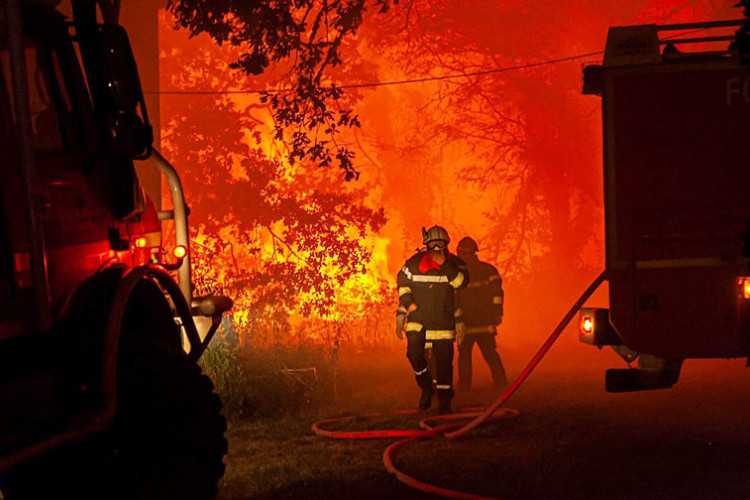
[(453, 431)]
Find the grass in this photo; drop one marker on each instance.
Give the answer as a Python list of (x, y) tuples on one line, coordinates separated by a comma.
[(572, 440), (283, 459), (273, 454), (277, 456)]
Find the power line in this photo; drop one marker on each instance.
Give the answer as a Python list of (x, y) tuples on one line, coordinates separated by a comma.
[(473, 73), (392, 82), (410, 80)]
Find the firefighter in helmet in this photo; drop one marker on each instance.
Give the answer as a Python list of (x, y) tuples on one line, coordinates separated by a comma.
[(482, 307), (427, 313)]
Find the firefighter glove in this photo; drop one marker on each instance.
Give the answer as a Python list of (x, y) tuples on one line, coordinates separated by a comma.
[(400, 321), (460, 333)]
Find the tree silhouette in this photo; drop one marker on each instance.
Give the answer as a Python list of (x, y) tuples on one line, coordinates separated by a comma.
[(305, 36), (533, 141), (276, 237)]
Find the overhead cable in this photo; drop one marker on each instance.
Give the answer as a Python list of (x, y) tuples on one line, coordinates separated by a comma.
[(426, 79), (391, 82)]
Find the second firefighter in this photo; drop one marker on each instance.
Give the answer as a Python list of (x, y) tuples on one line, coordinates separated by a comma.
[(426, 286), (482, 306)]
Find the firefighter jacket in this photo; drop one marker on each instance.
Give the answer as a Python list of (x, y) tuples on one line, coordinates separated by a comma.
[(481, 302), (431, 287)]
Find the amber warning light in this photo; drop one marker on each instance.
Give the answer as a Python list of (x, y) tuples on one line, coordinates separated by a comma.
[(594, 327), (743, 287), (180, 251), (586, 326)]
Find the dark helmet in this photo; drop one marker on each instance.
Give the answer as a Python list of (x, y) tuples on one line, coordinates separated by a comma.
[(467, 245), (436, 238)]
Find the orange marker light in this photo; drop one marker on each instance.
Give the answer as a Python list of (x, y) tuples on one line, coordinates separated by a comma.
[(743, 287), (180, 251), (140, 242), (587, 324)]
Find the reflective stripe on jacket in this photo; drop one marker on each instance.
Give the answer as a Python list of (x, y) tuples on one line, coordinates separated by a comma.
[(433, 293)]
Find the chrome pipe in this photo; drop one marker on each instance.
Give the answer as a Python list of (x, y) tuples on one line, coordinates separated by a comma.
[(182, 234)]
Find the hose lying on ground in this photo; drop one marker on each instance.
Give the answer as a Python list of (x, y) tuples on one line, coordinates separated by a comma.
[(453, 431)]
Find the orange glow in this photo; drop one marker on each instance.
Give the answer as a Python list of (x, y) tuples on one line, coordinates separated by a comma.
[(180, 251), (140, 242), (512, 159)]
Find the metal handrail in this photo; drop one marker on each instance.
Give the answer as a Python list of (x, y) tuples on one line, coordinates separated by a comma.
[(706, 25), (705, 39), (179, 214)]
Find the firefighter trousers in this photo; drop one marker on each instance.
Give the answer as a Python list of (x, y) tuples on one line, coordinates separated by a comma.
[(488, 348), (442, 351)]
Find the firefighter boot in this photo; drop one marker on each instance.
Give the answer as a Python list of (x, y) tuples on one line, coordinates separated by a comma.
[(425, 383), (444, 398)]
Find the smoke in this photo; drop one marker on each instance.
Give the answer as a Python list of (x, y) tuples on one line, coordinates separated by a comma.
[(511, 158)]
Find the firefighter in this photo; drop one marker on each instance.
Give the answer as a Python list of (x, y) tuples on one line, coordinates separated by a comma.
[(482, 307), (426, 286)]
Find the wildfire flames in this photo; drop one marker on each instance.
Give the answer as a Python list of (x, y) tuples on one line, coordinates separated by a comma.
[(510, 155)]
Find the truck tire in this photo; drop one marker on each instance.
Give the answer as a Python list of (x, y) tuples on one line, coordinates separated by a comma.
[(167, 441), (168, 438)]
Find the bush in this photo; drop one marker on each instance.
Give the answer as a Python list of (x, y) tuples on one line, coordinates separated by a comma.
[(270, 378), (220, 361), (288, 378)]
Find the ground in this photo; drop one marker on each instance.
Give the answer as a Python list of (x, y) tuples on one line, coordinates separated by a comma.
[(571, 439)]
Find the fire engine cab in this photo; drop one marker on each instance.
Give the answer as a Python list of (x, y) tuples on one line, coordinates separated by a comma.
[(100, 393)]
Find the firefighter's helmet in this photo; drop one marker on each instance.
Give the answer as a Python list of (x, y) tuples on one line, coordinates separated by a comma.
[(467, 245), (436, 238)]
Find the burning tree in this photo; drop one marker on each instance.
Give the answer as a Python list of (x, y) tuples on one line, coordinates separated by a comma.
[(283, 239)]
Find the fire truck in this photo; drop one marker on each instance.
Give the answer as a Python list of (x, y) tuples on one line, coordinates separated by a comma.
[(676, 114), (100, 392)]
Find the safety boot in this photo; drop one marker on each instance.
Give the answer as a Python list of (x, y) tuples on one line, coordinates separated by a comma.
[(444, 401), (424, 381), (425, 400)]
